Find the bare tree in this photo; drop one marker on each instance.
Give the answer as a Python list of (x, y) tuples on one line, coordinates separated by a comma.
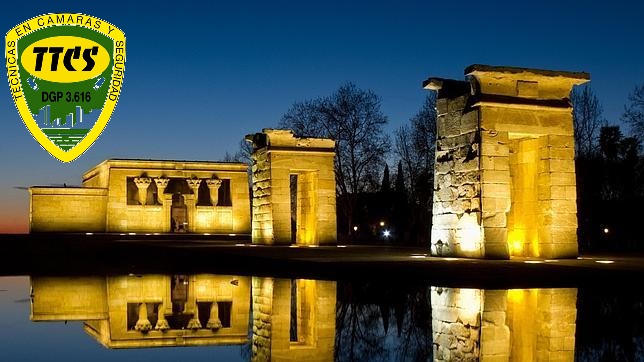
[(587, 120), (634, 112), (242, 154), (352, 117), (415, 145)]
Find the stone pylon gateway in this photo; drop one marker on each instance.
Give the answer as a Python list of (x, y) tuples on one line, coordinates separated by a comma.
[(293, 189), (504, 180)]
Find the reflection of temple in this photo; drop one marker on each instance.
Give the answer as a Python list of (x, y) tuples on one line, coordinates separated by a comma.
[(149, 310), (296, 319), (148, 196), (502, 325), (293, 319)]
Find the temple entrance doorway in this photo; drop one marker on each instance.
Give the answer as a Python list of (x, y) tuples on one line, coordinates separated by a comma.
[(303, 197), (178, 214), (523, 218)]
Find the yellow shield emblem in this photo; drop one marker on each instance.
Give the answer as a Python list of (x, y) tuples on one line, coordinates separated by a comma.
[(65, 75)]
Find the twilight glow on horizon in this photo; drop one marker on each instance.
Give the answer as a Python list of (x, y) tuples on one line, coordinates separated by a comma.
[(199, 77)]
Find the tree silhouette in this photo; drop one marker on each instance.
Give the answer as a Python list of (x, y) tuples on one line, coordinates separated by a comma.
[(634, 112), (385, 185), (353, 118), (587, 120), (414, 145)]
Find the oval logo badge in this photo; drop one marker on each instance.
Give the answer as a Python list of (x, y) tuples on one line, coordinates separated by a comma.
[(65, 59)]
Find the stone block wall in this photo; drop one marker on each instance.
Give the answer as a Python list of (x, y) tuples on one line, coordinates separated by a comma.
[(262, 224), (67, 209), (456, 226)]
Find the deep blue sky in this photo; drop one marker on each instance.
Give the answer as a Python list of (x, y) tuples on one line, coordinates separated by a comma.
[(199, 77)]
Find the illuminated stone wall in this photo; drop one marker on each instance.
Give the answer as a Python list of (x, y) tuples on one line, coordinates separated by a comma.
[(107, 208), (504, 171), (456, 227), (69, 209), (500, 325), (278, 154), (272, 312)]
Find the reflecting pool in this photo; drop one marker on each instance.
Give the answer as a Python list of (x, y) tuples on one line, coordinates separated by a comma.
[(135, 317)]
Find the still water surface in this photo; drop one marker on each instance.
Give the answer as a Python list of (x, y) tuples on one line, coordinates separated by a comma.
[(241, 318)]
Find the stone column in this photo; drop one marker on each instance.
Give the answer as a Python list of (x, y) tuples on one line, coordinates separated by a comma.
[(162, 183), (142, 183), (143, 323), (213, 186), (194, 323), (191, 202), (214, 322), (167, 211), (194, 183), (162, 323)]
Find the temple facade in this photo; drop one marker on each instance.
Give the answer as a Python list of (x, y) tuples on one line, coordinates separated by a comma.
[(120, 195)]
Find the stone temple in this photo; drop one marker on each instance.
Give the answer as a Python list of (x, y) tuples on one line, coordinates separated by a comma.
[(504, 179), (147, 196), (505, 172), (293, 183)]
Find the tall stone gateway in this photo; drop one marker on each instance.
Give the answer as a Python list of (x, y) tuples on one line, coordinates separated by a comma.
[(293, 189), (505, 172)]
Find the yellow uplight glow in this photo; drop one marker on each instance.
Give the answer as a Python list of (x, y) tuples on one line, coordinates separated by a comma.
[(468, 233), (604, 261), (470, 302)]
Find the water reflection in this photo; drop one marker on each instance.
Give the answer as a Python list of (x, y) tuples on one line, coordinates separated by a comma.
[(293, 319), (148, 310), (312, 319), (518, 324)]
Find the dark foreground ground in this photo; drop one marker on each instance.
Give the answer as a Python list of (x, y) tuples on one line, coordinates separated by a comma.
[(69, 254)]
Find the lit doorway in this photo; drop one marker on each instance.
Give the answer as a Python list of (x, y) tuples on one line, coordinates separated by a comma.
[(178, 214)]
